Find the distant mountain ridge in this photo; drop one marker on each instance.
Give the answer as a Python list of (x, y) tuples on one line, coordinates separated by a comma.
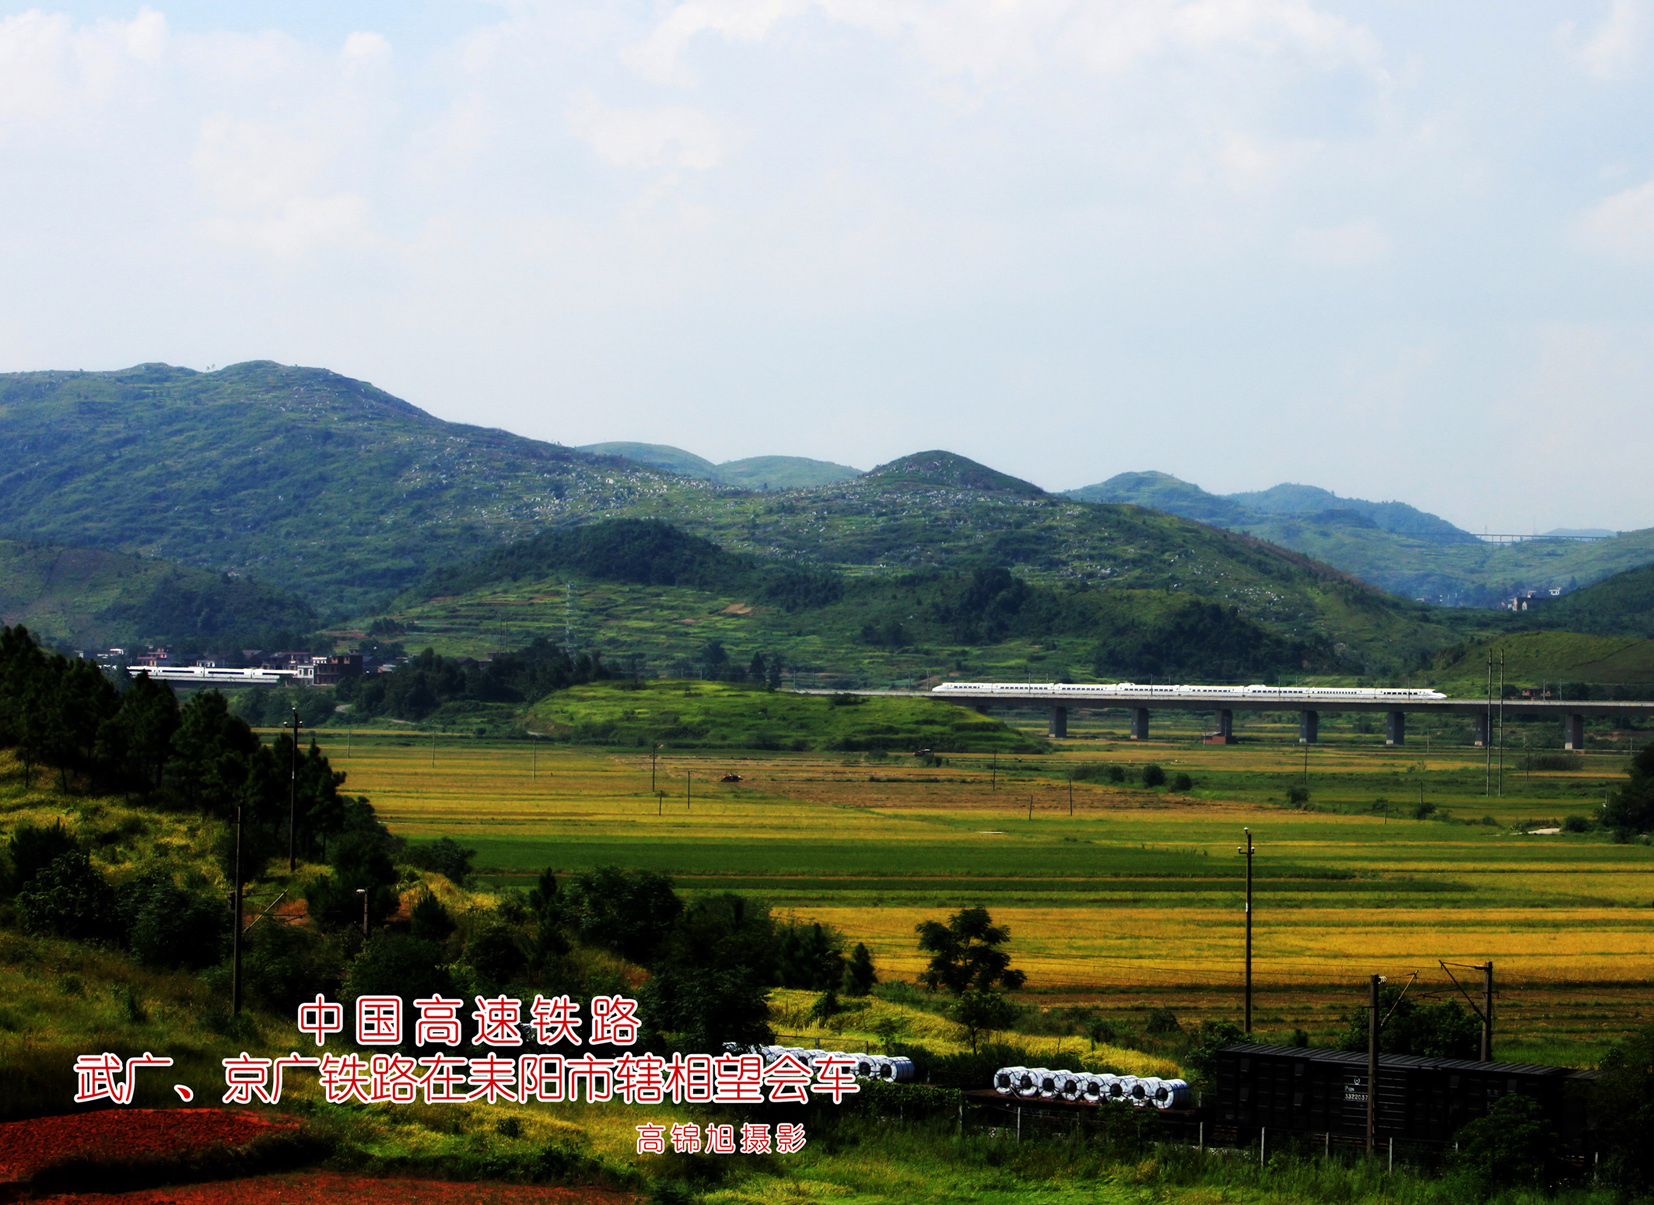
[(1394, 546), (753, 472), (1162, 491)]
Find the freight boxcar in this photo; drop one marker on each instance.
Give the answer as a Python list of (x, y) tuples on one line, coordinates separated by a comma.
[(1294, 1090)]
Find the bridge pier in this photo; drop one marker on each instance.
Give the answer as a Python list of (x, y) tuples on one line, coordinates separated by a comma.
[(1484, 733), (1395, 728), (1573, 732), (1225, 734), (1058, 727), (1309, 727), (1139, 723)]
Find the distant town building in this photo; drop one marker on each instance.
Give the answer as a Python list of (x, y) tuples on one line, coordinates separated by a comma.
[(331, 670), (1531, 600)]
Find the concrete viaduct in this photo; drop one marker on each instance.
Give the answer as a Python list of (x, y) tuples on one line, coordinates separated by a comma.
[(1570, 714)]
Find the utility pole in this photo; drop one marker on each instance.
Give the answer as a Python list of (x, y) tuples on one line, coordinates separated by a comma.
[(1487, 729), (292, 809), (993, 780), (1250, 849), (1485, 1012), (1071, 792), (1372, 1065), (433, 750), (1501, 721), (654, 752), (688, 788), (235, 908)]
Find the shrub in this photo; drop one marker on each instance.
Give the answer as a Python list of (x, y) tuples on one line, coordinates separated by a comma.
[(173, 928), (1576, 824), (444, 856), (395, 964), (1153, 776), (1162, 1021), (1182, 782), (32, 849), (1297, 795), (69, 898)]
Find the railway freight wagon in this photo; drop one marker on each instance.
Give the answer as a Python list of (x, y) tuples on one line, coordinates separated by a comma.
[(1290, 1090)]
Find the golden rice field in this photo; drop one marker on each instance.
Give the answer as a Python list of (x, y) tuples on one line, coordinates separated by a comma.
[(1134, 897)]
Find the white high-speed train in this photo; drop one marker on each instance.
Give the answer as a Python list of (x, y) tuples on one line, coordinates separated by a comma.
[(1286, 694)]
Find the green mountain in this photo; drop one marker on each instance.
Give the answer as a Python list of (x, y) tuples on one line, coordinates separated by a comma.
[(1554, 659), (94, 598), (658, 600), (753, 473), (662, 456), (1162, 491), (348, 496), (296, 476), (1394, 546), (1622, 605)]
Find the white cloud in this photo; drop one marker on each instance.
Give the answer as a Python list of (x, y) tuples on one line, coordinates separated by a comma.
[(645, 138), (983, 37), (1611, 50), (52, 69), (1623, 225), (1351, 245), (303, 226), (253, 165)]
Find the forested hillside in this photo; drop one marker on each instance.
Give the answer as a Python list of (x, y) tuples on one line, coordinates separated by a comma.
[(1394, 546), (94, 598), (348, 496), (297, 476)]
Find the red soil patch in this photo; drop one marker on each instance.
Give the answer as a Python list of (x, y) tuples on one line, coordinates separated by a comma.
[(323, 1187), (121, 1135)]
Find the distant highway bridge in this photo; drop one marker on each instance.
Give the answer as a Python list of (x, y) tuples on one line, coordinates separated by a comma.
[(1140, 701)]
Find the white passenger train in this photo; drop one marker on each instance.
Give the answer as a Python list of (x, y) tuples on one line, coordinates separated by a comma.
[(1285, 694), (214, 675)]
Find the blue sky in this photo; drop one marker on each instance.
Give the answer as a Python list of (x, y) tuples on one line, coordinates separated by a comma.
[(1398, 250)]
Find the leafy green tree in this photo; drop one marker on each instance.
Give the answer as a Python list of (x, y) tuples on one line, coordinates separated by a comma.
[(1623, 1110), (726, 932), (174, 928), (860, 975), (137, 740), (811, 957), (1153, 776), (1514, 1145), (1631, 808), (495, 955), (429, 920), (707, 1008), (70, 898), (32, 848), (630, 914), (446, 857), (981, 1010), (358, 860), (396, 964), (284, 964), (965, 953), (1442, 1030), (212, 756)]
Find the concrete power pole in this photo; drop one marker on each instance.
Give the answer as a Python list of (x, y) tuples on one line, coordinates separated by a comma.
[(1372, 1065), (1248, 850)]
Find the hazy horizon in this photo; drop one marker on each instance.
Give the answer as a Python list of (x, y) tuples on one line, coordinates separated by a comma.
[(1398, 252)]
